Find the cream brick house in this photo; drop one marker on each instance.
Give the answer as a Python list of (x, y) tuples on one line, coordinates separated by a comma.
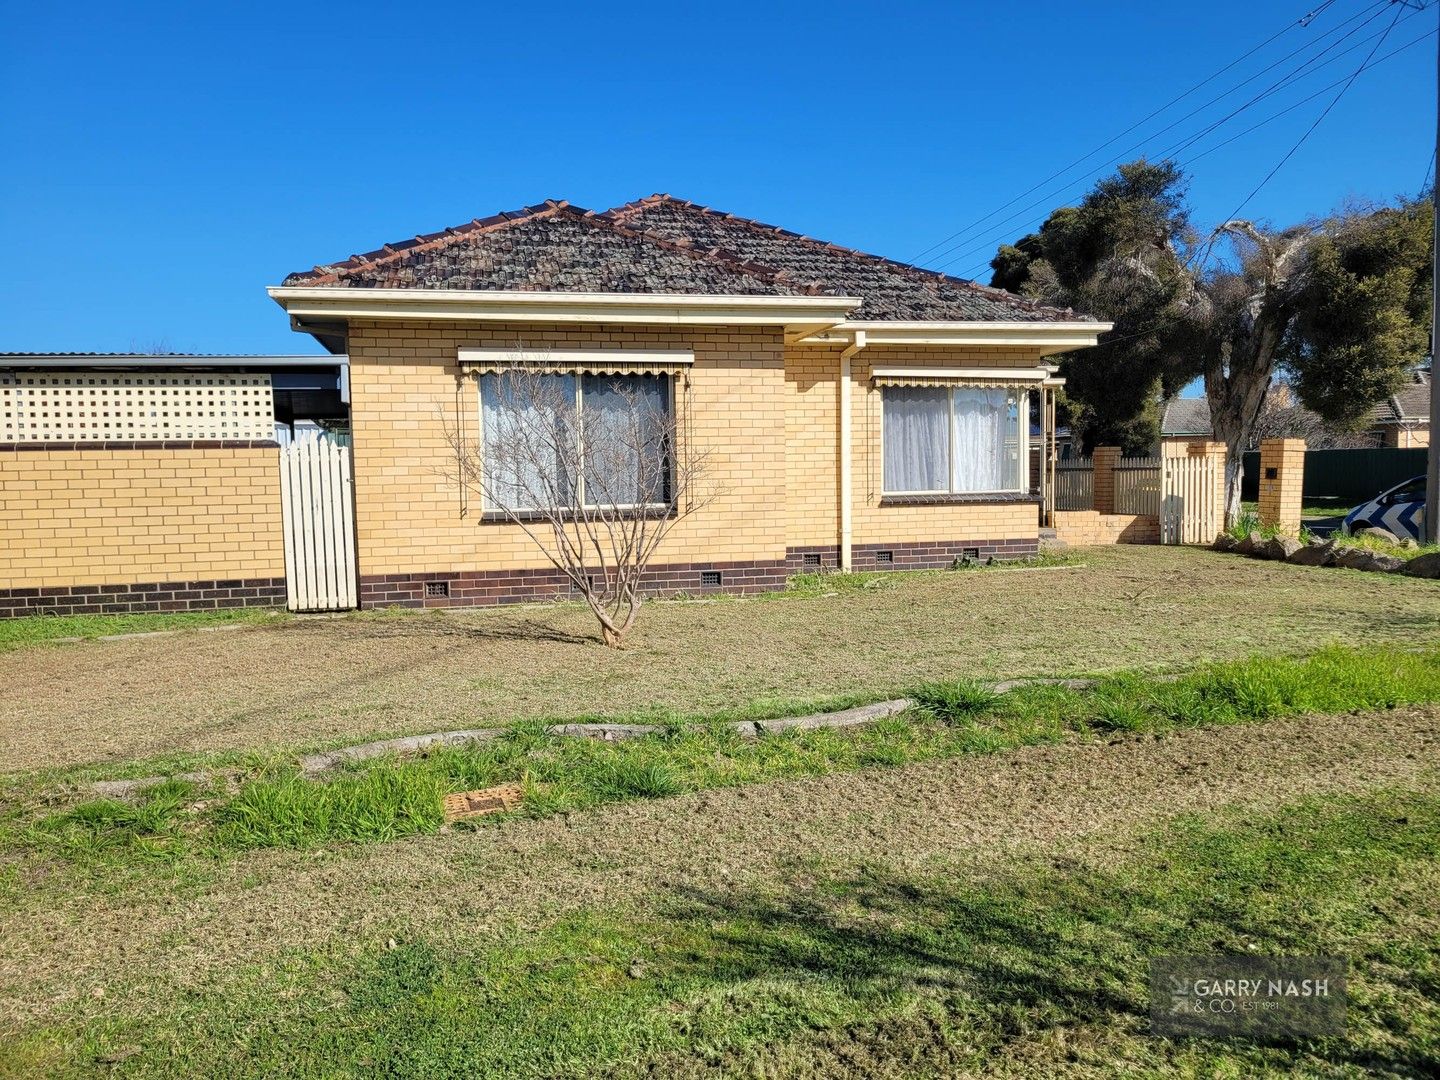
[(858, 412), (809, 371)]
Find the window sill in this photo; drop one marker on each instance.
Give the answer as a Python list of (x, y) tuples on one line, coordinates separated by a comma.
[(967, 499), (655, 513)]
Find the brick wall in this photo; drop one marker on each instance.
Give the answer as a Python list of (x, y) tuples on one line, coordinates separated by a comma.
[(766, 416), (183, 517), (812, 465), (406, 385), (1090, 528)]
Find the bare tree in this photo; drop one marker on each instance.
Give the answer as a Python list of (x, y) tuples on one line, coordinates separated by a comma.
[(1242, 317), (1282, 418), (590, 468)]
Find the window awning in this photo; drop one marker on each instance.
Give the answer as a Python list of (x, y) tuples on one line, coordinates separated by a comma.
[(577, 361), (936, 376)]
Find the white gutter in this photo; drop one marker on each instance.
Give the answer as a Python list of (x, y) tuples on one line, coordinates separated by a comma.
[(846, 512)]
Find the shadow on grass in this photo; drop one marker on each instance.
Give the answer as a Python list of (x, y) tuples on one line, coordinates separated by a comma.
[(1050, 947)]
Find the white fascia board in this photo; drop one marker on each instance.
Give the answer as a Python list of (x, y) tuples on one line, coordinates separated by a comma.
[(1025, 374), (1047, 337), (570, 307)]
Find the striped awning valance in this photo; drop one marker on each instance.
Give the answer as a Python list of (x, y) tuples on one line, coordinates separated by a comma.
[(577, 361), (1004, 377)]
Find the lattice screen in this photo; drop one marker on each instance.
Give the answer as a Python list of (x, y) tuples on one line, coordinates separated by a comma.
[(78, 406)]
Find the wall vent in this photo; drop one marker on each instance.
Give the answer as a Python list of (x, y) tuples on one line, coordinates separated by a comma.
[(710, 579), (437, 588), (973, 554), (811, 558), (884, 556)]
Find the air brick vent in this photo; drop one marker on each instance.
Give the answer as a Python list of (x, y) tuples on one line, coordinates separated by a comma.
[(437, 588), (710, 579), (884, 556), (811, 558)]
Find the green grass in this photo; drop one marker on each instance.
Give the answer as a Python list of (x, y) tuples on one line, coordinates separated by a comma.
[(1028, 965), (1384, 547), (37, 629), (393, 798)]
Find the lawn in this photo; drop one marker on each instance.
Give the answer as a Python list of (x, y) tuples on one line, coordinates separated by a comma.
[(973, 886), (153, 703), (987, 912)]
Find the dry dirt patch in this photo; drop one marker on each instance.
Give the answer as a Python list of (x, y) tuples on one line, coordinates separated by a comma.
[(320, 682)]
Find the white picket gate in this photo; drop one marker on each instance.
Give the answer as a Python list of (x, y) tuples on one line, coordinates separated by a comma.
[(1192, 490), (316, 495)]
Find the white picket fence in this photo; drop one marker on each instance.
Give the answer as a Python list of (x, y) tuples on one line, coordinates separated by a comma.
[(1191, 498), (316, 496)]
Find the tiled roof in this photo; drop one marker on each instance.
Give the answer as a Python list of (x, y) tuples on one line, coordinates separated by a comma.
[(1186, 416), (893, 291), (551, 247), (1411, 403), (666, 245)]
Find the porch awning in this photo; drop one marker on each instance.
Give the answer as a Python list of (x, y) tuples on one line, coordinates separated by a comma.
[(934, 376), (577, 361)]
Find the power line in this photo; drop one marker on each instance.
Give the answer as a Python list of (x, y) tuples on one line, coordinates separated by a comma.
[(1170, 150), (1311, 129), (1302, 22), (1307, 67)]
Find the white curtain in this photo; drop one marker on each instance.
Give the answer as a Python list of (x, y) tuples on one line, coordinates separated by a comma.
[(960, 439), (527, 442), (625, 429), (983, 424), (916, 449)]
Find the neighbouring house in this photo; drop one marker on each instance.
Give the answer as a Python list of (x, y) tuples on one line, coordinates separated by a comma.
[(1185, 419), (857, 412), (1403, 419), (1400, 421)]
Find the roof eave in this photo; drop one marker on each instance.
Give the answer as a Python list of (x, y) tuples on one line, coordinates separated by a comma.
[(803, 314)]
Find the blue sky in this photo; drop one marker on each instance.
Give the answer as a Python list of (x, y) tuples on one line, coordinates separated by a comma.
[(165, 162)]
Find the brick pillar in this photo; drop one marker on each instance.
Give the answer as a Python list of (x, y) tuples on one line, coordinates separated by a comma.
[(1282, 476), (1105, 459)]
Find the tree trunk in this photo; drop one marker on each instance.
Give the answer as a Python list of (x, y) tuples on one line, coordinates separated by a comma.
[(1234, 477)]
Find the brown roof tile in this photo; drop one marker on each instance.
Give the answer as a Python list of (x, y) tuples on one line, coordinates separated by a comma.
[(891, 290), (666, 245)]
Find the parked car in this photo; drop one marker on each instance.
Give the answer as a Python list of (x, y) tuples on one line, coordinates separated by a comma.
[(1401, 510)]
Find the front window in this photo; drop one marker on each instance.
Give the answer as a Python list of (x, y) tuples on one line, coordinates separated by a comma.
[(952, 439), (563, 441)]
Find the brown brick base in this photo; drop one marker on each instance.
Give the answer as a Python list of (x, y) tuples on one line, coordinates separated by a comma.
[(470, 589), (520, 586), (153, 596)]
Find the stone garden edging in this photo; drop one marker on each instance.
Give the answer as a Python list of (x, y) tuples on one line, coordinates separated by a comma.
[(1328, 553), (316, 764)]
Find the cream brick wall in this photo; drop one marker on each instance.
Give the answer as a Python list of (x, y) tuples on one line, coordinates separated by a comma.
[(405, 381), (82, 517), (813, 463)]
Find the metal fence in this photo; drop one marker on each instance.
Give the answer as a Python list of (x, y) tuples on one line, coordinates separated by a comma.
[(1137, 486), (1075, 484), (1344, 476)]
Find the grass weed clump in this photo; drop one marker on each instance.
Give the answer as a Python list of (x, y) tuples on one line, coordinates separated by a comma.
[(958, 702)]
